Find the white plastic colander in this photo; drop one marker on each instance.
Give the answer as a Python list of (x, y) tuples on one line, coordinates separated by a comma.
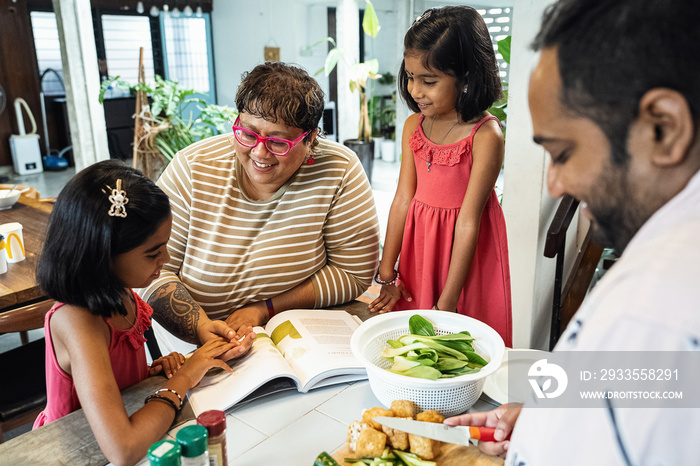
[(450, 396)]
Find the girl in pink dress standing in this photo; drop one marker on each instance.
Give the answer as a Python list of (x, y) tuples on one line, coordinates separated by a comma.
[(445, 220)]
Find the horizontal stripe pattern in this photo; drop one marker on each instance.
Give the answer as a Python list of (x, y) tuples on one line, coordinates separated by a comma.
[(230, 251)]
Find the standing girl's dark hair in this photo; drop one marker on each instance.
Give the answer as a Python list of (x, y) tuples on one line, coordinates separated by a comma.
[(82, 238), (455, 41)]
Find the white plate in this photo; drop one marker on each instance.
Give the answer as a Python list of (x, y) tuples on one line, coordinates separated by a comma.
[(496, 384)]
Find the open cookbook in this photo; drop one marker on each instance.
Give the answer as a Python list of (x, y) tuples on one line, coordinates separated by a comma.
[(308, 348)]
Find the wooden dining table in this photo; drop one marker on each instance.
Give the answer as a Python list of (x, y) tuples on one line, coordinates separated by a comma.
[(18, 285)]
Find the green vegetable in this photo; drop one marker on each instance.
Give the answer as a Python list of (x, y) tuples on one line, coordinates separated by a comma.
[(324, 459), (420, 326), (422, 372), (388, 458), (413, 460), (424, 354)]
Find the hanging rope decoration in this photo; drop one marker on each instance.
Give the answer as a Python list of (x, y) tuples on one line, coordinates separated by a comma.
[(118, 199)]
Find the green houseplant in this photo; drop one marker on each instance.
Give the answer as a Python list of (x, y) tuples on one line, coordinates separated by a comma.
[(173, 126), (359, 76), (500, 109)]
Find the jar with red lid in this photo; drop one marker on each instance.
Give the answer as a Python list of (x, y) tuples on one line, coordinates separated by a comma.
[(215, 423)]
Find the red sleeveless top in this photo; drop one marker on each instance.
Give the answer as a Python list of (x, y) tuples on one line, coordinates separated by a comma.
[(126, 353)]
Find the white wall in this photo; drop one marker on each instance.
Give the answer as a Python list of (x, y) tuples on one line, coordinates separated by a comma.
[(527, 205), (242, 29)]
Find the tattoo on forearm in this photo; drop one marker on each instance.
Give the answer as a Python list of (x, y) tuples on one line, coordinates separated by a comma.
[(176, 310)]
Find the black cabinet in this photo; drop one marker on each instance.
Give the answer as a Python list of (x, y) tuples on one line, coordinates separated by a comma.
[(119, 121)]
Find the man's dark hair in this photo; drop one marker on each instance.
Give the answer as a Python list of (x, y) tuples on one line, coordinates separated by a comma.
[(611, 53), (82, 238), (455, 41)]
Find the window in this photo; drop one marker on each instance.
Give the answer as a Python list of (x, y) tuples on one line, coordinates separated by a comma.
[(123, 36), (187, 59), (48, 52), (498, 20)]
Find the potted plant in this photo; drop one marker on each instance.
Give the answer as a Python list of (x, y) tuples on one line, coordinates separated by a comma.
[(173, 127), (360, 74)]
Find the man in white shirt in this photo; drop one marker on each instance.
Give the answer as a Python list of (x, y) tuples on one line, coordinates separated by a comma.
[(615, 100)]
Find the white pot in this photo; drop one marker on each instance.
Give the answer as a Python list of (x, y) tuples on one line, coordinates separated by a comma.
[(378, 146), (388, 150)]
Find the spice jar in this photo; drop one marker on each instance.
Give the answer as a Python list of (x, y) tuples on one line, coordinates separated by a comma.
[(193, 441), (215, 422), (164, 453)]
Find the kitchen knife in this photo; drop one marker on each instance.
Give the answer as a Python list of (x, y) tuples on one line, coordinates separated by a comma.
[(459, 434)]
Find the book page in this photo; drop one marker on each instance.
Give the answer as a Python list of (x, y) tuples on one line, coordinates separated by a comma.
[(221, 390), (316, 344)]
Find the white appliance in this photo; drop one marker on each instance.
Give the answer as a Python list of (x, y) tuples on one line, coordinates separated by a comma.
[(26, 155)]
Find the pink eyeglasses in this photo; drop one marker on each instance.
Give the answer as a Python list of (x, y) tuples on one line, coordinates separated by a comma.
[(276, 146)]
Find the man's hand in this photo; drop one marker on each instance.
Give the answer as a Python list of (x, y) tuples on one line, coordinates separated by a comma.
[(502, 418)]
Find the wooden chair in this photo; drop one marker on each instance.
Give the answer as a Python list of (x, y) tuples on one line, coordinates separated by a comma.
[(567, 297), (23, 394)]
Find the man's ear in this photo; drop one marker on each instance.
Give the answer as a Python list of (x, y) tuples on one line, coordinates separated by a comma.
[(666, 124)]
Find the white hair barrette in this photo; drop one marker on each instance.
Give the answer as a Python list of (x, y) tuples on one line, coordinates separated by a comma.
[(118, 199)]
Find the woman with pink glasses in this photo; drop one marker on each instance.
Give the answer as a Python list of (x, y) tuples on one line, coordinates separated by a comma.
[(269, 218)]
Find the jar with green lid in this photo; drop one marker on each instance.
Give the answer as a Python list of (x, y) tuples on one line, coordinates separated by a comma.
[(164, 453), (193, 441), (215, 422)]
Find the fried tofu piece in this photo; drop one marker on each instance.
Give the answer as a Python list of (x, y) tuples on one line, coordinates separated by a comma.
[(370, 443), (396, 439), (403, 408), (430, 415), (369, 414), (354, 430), (424, 447)]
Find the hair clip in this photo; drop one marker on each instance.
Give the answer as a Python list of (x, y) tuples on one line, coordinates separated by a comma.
[(422, 17), (118, 199)]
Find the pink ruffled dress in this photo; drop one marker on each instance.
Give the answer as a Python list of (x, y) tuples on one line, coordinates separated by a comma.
[(126, 353), (442, 176)]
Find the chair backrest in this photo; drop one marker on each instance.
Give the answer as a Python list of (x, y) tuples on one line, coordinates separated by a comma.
[(25, 318), (23, 398)]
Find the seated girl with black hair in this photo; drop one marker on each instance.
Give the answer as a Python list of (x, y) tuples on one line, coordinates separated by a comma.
[(107, 234)]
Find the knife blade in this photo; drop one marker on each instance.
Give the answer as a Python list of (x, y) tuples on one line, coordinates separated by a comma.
[(458, 434)]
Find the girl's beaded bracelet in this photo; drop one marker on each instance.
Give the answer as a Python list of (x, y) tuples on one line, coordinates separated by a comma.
[(396, 281)]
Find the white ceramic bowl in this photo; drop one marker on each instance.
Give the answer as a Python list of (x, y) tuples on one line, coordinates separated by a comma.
[(450, 396), (6, 201)]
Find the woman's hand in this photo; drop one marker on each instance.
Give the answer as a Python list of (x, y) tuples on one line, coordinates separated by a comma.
[(169, 364), (388, 296), (502, 418), (218, 329), (205, 358), (249, 316)]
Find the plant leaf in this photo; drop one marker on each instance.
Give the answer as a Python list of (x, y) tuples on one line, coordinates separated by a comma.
[(332, 60), (504, 49), (370, 22)]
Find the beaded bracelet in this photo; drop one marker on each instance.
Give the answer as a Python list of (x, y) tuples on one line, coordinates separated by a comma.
[(394, 281), (171, 391), (164, 398)]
